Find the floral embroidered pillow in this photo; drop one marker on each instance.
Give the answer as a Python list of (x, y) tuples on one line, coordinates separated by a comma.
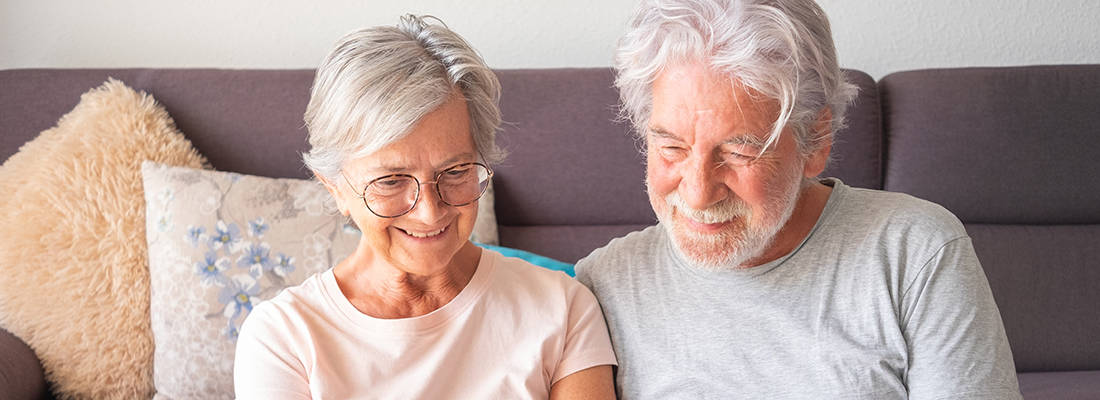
[(220, 243)]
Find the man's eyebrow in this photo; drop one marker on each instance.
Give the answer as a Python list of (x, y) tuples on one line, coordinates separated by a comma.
[(745, 139), (739, 140), (662, 133)]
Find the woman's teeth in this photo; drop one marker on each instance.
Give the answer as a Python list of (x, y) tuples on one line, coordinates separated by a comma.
[(426, 234)]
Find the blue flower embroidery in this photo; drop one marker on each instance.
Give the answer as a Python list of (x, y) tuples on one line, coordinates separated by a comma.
[(257, 227), (164, 222), (238, 296), (195, 234), (256, 258), (210, 269), (232, 331), (284, 265), (226, 235)]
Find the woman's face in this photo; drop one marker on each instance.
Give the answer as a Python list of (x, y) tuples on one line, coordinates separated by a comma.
[(423, 241)]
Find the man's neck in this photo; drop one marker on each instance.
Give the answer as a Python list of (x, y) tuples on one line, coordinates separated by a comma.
[(807, 210)]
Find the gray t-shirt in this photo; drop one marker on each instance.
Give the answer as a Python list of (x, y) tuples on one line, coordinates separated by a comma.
[(884, 299)]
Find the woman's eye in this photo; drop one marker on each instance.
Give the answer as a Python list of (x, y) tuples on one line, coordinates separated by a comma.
[(457, 172), (388, 187)]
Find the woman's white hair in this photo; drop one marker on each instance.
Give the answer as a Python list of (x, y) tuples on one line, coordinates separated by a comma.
[(782, 49), (378, 82)]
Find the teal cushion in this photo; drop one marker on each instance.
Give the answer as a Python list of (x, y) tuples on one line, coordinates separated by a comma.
[(542, 261)]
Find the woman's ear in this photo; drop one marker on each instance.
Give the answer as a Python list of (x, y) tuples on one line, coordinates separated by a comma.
[(334, 190)]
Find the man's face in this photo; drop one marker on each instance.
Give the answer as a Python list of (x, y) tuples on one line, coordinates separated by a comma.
[(703, 128)]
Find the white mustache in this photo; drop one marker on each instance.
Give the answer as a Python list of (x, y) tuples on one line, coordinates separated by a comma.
[(723, 211)]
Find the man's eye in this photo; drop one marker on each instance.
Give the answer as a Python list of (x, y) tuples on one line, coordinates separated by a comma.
[(736, 159), (673, 152), (739, 156)]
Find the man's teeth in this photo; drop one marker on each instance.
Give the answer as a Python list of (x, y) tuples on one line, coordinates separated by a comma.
[(426, 234)]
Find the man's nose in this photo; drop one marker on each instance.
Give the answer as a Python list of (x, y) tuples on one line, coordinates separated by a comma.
[(701, 185)]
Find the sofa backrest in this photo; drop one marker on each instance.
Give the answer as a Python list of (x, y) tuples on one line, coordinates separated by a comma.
[(573, 181), (1013, 152), (247, 121)]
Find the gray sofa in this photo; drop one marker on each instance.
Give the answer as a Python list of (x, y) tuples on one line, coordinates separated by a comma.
[(1012, 151)]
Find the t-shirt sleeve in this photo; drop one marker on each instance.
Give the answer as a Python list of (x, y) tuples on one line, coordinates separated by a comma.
[(264, 367), (956, 340), (587, 343)]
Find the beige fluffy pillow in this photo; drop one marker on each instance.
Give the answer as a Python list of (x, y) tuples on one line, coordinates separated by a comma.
[(74, 280)]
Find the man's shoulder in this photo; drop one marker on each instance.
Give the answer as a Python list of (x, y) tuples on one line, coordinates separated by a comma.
[(896, 211), (616, 256)]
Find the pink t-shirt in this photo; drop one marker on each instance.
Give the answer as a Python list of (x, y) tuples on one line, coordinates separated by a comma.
[(512, 332)]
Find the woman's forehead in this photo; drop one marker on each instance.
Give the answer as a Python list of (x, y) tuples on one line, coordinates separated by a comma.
[(393, 162)]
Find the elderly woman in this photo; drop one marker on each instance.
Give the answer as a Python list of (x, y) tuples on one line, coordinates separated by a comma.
[(401, 125)]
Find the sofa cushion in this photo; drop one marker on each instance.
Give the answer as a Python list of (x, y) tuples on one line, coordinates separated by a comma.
[(1007, 150), (856, 157), (220, 243), (534, 259), (1044, 279), (1068, 385), (561, 124), (568, 243), (997, 145), (76, 285), (21, 375)]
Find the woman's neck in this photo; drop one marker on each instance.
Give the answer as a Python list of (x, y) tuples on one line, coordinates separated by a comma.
[(380, 289)]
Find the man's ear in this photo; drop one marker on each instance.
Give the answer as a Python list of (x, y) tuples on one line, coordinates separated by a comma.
[(823, 135), (333, 190)]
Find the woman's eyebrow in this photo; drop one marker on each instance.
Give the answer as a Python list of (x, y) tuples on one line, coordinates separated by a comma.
[(392, 168), (455, 159)]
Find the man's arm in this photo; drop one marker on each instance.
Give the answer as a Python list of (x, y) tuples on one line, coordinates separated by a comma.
[(956, 340)]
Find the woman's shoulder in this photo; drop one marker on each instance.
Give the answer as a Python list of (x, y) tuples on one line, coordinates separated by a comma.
[(291, 303), (527, 280)]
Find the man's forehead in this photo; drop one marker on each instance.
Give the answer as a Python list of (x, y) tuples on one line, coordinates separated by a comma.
[(725, 99), (736, 137)]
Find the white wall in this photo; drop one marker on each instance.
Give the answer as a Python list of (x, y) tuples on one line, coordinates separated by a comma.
[(877, 36)]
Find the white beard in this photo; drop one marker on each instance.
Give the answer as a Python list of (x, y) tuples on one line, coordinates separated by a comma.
[(745, 240)]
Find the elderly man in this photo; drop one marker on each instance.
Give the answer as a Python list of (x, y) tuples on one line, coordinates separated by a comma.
[(760, 280)]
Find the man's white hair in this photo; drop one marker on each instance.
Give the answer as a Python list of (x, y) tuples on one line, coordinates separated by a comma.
[(782, 49), (378, 82)]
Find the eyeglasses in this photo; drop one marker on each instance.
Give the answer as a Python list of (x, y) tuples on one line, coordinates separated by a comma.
[(392, 196)]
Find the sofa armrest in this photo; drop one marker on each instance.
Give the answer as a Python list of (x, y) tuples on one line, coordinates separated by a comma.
[(21, 375)]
